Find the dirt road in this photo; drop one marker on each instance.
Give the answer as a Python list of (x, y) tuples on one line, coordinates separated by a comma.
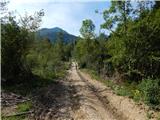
[(70, 99), (78, 97), (92, 106)]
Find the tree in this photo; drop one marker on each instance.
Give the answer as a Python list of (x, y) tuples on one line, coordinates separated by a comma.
[(157, 5), (31, 22), (59, 46), (130, 42), (4, 14), (16, 40), (118, 13), (87, 29)]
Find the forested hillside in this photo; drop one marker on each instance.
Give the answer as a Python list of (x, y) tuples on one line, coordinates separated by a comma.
[(52, 34)]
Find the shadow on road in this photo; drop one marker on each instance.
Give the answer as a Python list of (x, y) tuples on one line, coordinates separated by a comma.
[(57, 101)]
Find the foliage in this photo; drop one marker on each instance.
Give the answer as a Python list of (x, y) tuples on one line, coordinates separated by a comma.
[(24, 55), (151, 91), (87, 29), (31, 22), (48, 60), (14, 46), (16, 40), (118, 13), (135, 51), (91, 53)]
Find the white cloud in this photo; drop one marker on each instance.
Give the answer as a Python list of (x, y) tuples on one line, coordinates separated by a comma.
[(54, 1)]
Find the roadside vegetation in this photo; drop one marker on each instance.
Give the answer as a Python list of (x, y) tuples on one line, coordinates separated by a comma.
[(27, 58), (130, 54), (29, 63), (142, 92)]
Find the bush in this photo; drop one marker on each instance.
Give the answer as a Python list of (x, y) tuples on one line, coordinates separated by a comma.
[(151, 91)]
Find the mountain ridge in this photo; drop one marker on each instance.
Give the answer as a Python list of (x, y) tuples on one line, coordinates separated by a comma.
[(52, 34)]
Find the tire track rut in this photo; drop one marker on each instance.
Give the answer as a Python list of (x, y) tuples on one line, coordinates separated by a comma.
[(104, 100)]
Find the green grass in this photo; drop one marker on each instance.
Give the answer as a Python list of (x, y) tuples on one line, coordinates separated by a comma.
[(23, 107)]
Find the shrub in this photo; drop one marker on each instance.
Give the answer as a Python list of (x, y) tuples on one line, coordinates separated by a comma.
[(151, 91)]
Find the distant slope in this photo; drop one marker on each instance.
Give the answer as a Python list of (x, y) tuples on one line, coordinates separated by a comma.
[(52, 33)]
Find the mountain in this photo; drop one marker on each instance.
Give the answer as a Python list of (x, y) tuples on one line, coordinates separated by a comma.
[(52, 34)]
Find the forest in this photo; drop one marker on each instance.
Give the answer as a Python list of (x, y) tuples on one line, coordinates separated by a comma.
[(131, 52), (127, 58)]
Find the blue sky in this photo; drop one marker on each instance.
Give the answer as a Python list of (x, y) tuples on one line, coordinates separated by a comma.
[(66, 14)]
